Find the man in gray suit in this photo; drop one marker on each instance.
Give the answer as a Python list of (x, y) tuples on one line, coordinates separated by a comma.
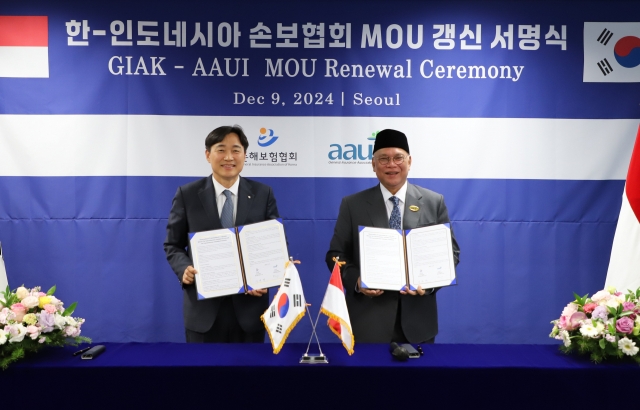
[(377, 316), (221, 200)]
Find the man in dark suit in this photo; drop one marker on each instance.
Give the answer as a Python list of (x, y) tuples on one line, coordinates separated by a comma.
[(221, 200), (377, 316)]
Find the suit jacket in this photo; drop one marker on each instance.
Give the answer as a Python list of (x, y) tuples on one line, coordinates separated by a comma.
[(194, 209), (373, 319)]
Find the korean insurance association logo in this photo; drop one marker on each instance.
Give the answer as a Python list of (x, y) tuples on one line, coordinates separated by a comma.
[(266, 137)]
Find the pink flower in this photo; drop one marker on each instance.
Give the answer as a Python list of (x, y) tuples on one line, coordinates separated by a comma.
[(628, 305), (575, 320), (589, 307), (49, 308), (572, 322), (624, 325), (20, 310), (33, 332)]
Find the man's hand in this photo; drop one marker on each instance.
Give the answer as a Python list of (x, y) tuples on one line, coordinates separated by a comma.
[(369, 292), (189, 275), (257, 292), (419, 291)]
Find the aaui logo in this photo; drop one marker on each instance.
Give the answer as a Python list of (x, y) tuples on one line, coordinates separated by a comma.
[(353, 151), (266, 137)]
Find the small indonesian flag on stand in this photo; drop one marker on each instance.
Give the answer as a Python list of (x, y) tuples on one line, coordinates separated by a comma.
[(24, 46), (334, 305), (286, 309), (624, 265)]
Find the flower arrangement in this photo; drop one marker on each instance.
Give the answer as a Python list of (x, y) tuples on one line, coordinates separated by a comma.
[(31, 319), (605, 325)]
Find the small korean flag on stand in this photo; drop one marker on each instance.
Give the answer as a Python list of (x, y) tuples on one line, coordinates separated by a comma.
[(286, 309)]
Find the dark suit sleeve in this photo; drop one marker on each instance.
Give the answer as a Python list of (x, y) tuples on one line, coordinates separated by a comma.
[(177, 240), (342, 246), (272, 208)]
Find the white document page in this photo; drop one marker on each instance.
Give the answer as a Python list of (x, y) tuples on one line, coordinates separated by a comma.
[(215, 257), (381, 259), (430, 257), (264, 253)]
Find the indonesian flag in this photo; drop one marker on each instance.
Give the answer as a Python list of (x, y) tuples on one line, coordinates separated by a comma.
[(286, 309), (24, 46), (3, 274), (624, 265), (334, 305)]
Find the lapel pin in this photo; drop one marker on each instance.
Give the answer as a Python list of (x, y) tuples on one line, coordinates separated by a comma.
[(414, 208)]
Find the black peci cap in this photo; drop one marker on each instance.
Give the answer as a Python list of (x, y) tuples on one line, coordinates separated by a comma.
[(391, 139)]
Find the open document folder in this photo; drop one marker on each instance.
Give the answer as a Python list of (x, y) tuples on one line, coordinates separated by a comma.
[(392, 259), (240, 259)]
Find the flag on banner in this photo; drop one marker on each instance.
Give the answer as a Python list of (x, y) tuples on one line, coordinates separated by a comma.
[(334, 305), (624, 265), (3, 274), (611, 52), (24, 46), (286, 309)]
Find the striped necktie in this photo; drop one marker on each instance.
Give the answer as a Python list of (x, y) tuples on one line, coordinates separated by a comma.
[(226, 216)]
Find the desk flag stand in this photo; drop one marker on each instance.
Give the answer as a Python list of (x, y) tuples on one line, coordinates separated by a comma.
[(313, 358)]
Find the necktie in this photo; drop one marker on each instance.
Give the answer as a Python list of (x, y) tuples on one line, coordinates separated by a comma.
[(394, 221), (226, 217)]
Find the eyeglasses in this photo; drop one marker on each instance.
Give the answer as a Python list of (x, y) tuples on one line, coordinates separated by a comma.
[(398, 159)]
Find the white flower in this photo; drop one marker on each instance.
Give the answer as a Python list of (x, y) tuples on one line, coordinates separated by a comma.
[(17, 331), (601, 296), (71, 321), (613, 302), (610, 338), (627, 346), (589, 329), (3, 337), (30, 302), (59, 321), (564, 335), (22, 292), (55, 301)]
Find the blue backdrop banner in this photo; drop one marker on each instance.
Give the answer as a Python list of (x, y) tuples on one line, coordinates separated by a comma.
[(523, 114)]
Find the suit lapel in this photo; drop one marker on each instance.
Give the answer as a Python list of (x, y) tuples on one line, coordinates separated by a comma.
[(208, 199), (377, 208), (410, 218), (245, 198)]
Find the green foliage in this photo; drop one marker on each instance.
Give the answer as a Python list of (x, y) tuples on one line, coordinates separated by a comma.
[(12, 352), (9, 298), (69, 311), (581, 300)]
